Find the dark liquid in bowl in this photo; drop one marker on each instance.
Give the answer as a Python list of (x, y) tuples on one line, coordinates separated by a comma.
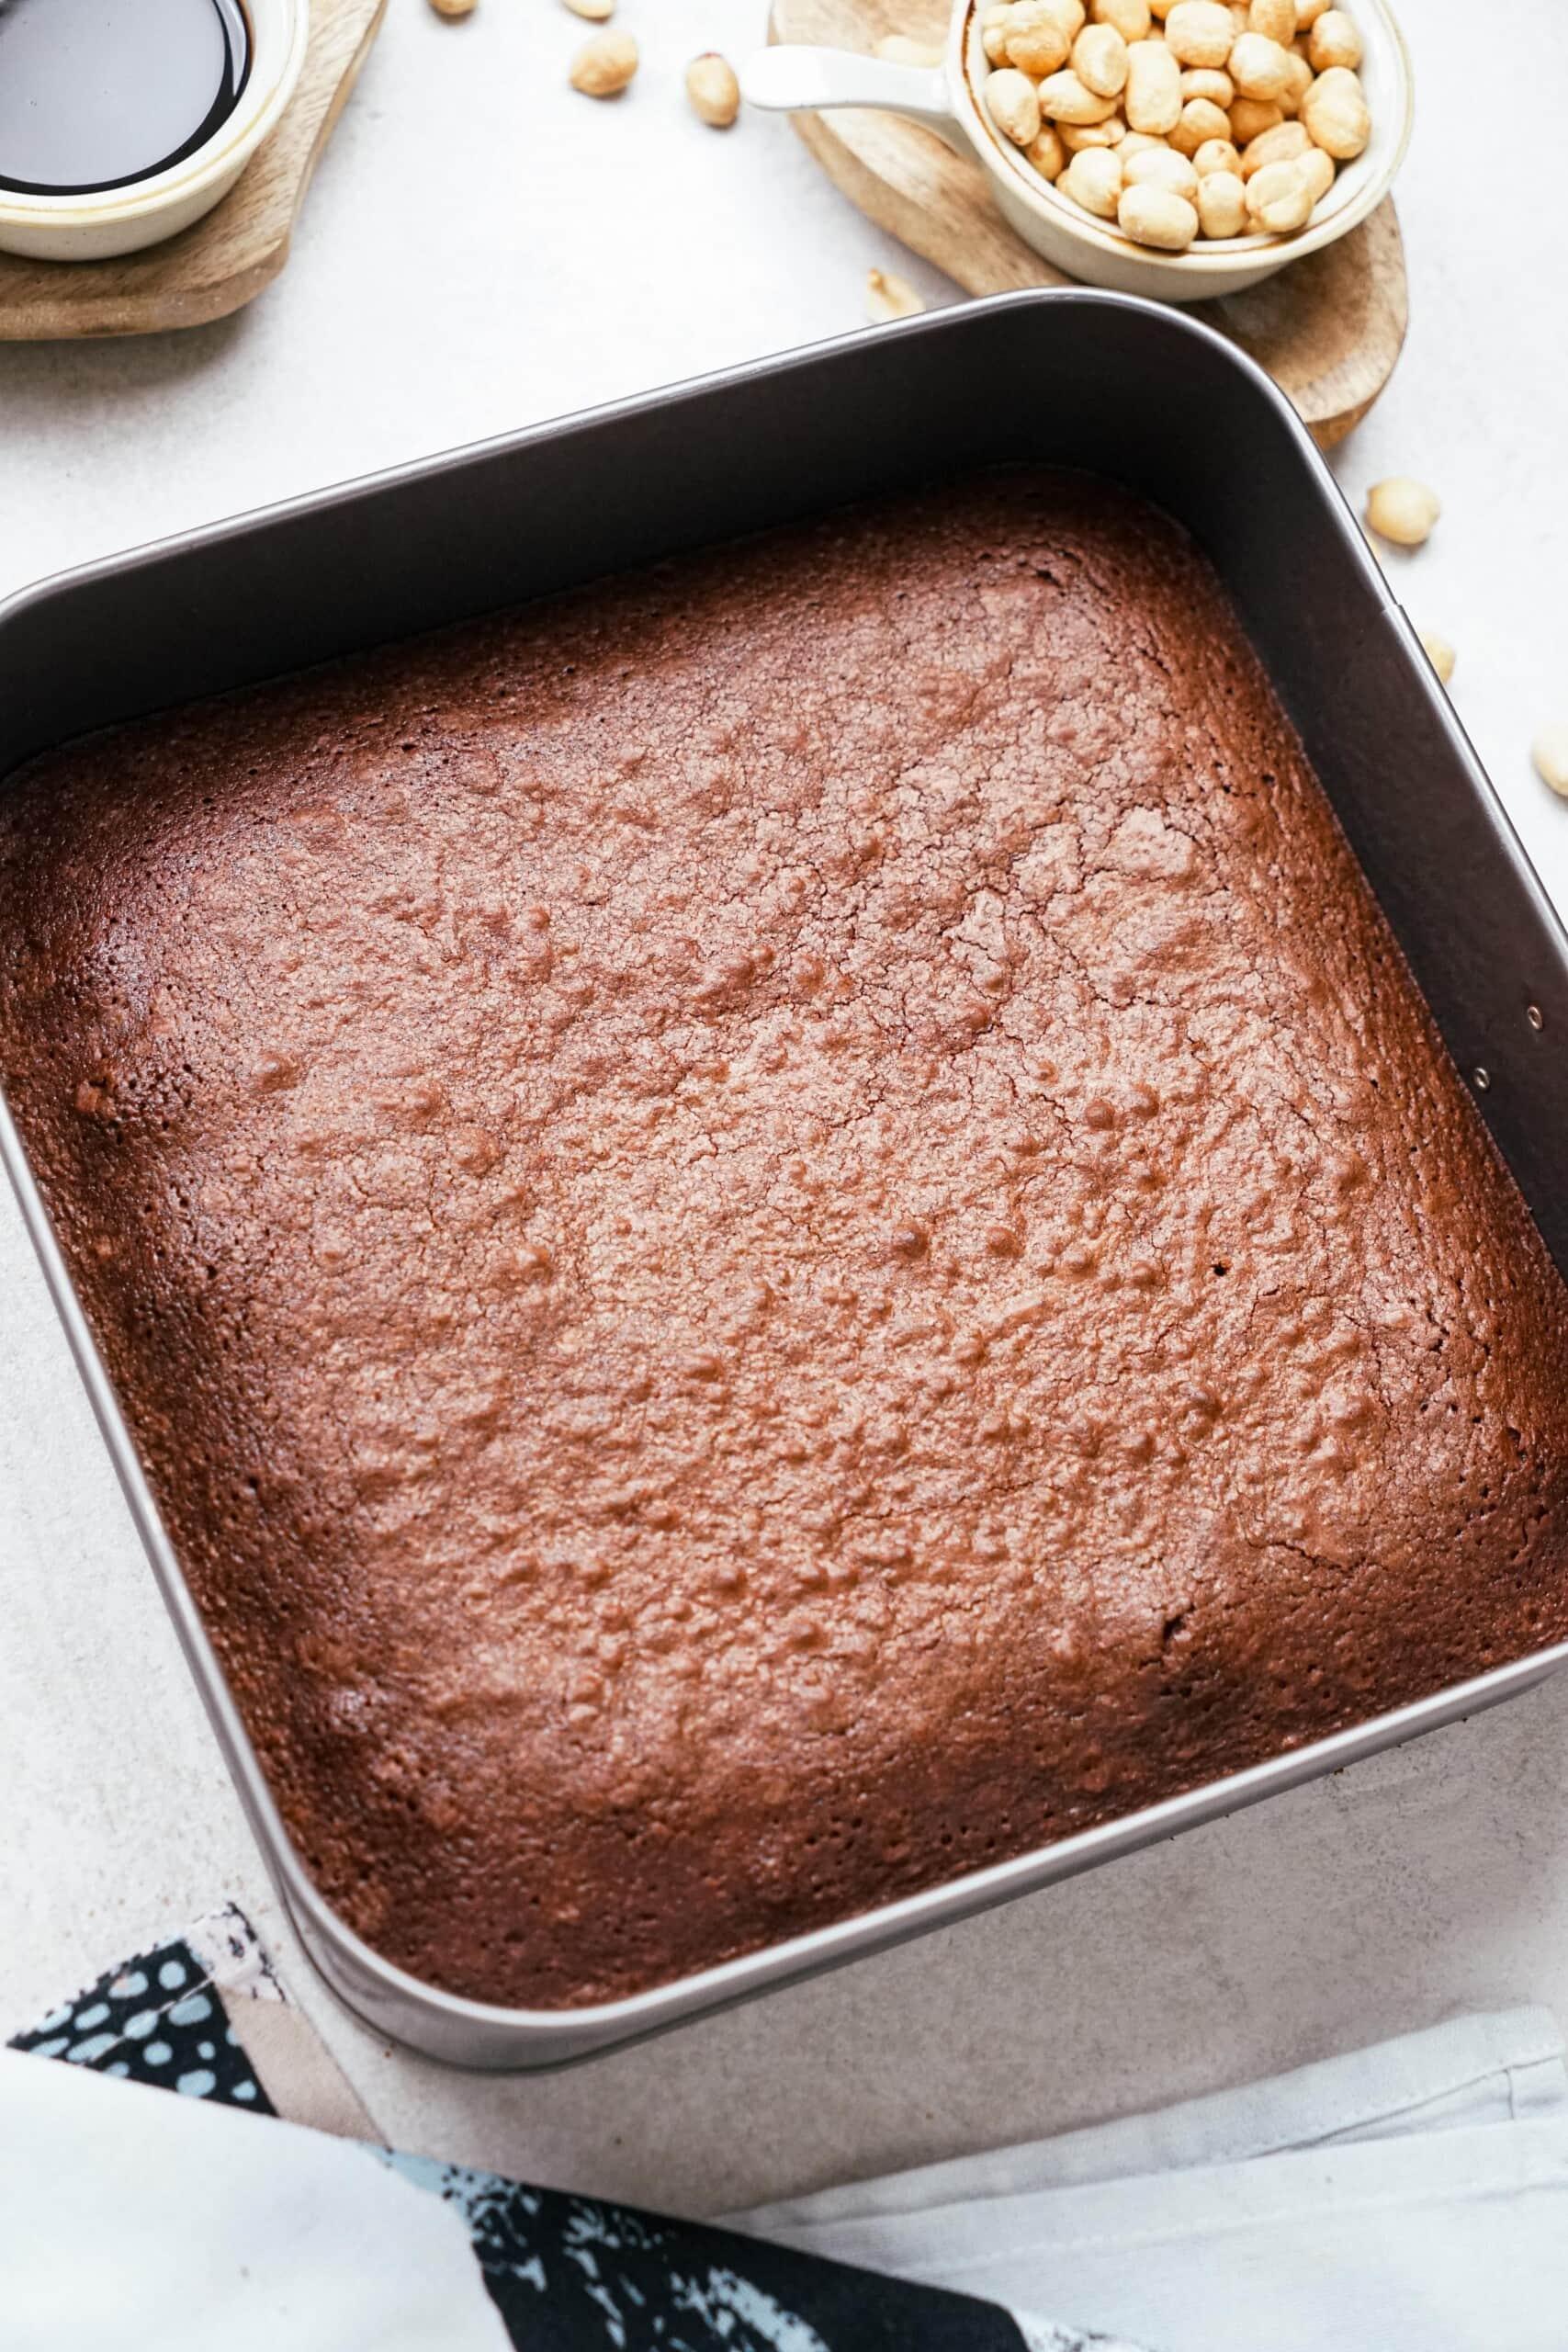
[(97, 93)]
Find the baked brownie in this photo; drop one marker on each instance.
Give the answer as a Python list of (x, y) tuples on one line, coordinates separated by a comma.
[(775, 1231)]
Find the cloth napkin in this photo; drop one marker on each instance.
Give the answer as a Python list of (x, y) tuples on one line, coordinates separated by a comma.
[(152, 2223), (1408, 2198)]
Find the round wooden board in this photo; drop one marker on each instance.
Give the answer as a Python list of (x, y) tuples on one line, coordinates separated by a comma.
[(1328, 329), (222, 262)]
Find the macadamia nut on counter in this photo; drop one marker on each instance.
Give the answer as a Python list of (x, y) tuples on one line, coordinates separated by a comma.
[(604, 66), (1402, 511), (1440, 653), (1550, 752)]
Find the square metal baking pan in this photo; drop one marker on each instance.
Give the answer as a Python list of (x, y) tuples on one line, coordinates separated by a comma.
[(1100, 382)]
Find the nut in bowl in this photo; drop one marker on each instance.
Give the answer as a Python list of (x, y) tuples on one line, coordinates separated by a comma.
[(1185, 152)]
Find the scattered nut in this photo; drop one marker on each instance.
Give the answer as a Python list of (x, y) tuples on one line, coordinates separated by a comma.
[(1131, 17), (899, 50), (453, 8), (1099, 61), (1153, 97), (1440, 653), (1280, 198), (1200, 32), (1251, 116), (1335, 112), (1333, 40), (1155, 216), (1550, 752), (1216, 155), (1308, 12), (1048, 153), (1207, 82), (889, 295), (1280, 145), (1402, 511), (713, 89), (598, 12), (1163, 167), (604, 65), (1221, 204), (1093, 178), (1275, 20), (1013, 105)]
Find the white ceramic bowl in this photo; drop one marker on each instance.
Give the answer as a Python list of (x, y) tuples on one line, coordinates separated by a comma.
[(124, 219), (795, 78)]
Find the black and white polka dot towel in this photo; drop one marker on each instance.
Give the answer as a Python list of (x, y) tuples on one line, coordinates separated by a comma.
[(162, 2018)]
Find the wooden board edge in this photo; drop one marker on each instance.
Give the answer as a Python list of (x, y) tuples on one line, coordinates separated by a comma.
[(173, 308)]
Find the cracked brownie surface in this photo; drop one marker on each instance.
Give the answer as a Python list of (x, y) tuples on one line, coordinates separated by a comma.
[(776, 1230)]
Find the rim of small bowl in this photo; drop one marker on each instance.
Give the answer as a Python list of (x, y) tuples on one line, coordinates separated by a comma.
[(233, 141), (1219, 256)]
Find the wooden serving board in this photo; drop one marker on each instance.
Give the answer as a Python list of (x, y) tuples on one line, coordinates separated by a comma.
[(1328, 329), (220, 262)]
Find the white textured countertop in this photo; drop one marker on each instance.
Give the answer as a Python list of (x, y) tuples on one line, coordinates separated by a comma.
[(483, 248)]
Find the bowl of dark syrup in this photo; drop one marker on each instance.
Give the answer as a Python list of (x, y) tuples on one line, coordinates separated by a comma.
[(123, 121)]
